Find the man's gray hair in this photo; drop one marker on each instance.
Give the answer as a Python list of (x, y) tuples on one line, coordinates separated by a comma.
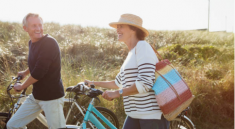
[(30, 15)]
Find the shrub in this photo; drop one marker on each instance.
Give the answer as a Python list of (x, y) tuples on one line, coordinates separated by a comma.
[(214, 74)]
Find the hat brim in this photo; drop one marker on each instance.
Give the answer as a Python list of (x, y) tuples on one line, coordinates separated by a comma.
[(114, 25)]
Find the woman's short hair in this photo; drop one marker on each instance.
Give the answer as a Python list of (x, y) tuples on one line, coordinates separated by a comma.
[(30, 15), (139, 33)]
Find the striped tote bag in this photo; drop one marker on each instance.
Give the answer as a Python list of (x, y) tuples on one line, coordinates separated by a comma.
[(172, 93)]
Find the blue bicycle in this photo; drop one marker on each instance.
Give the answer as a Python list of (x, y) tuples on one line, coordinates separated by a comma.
[(93, 117)]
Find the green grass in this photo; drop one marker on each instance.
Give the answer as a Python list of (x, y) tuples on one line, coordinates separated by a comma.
[(204, 59)]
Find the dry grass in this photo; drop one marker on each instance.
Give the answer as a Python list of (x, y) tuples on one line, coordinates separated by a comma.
[(205, 60)]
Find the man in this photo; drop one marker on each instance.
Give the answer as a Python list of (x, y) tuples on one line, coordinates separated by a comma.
[(44, 66)]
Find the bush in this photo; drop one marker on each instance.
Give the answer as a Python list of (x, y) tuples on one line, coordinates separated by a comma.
[(214, 74), (208, 52)]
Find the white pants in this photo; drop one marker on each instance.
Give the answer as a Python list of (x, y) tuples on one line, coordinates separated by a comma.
[(31, 108)]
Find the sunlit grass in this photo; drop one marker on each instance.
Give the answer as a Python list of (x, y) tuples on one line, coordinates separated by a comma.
[(204, 59)]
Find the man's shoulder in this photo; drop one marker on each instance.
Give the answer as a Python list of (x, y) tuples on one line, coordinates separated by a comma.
[(51, 39)]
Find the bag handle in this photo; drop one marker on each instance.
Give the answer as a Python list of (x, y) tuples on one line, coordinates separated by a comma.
[(156, 52), (170, 85)]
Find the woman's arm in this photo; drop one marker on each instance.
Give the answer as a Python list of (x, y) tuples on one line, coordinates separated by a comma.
[(110, 95), (103, 84)]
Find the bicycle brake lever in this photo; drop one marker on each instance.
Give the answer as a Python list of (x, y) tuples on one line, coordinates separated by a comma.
[(19, 77), (97, 99)]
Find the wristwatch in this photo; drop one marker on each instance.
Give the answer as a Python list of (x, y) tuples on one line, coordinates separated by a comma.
[(120, 92)]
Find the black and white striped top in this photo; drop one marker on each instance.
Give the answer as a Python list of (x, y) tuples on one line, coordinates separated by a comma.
[(139, 68)]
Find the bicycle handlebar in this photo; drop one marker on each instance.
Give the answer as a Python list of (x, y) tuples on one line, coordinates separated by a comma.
[(15, 80)]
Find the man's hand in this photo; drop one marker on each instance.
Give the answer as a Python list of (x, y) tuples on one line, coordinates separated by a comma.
[(18, 87), (23, 74), (110, 95)]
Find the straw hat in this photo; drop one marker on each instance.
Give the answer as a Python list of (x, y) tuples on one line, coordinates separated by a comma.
[(132, 20)]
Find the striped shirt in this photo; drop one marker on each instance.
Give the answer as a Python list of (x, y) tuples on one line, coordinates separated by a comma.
[(139, 68)]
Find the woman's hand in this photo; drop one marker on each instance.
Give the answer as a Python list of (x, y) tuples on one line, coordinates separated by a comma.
[(110, 95), (88, 82)]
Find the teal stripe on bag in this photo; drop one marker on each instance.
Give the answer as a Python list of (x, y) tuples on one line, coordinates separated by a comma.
[(160, 84)]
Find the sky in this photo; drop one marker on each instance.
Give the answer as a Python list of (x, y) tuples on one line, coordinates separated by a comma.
[(156, 14)]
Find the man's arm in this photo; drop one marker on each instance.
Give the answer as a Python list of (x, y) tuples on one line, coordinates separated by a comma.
[(30, 80), (27, 83), (23, 74)]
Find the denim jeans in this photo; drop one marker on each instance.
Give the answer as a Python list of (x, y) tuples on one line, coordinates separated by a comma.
[(31, 108), (131, 123)]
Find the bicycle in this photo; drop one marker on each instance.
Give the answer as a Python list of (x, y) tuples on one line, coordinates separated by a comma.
[(89, 115), (182, 121), (79, 119)]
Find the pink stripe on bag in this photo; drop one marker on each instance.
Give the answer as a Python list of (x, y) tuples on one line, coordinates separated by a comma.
[(168, 95), (172, 105)]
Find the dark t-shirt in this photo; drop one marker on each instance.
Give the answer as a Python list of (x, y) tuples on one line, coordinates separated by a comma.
[(45, 65)]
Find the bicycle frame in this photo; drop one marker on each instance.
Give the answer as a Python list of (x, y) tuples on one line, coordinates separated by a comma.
[(93, 119), (74, 103)]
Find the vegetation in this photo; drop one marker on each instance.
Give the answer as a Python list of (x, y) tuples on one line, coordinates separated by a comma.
[(204, 59)]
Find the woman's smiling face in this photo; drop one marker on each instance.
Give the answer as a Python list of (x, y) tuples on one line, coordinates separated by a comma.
[(124, 32)]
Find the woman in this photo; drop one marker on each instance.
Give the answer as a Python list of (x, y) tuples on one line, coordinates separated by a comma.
[(136, 77)]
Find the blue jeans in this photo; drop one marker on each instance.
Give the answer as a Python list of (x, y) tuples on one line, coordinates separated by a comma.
[(131, 123)]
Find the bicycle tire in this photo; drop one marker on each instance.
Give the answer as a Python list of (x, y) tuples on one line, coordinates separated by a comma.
[(3, 120), (108, 114), (181, 122)]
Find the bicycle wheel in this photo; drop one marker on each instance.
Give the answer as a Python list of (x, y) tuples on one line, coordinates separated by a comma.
[(181, 122), (3, 120), (108, 115), (104, 111)]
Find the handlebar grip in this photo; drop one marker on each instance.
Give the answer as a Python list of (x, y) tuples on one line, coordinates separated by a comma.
[(19, 77), (100, 92), (92, 86)]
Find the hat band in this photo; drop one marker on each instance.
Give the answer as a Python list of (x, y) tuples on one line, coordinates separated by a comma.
[(127, 21)]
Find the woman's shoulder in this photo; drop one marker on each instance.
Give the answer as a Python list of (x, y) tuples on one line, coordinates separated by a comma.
[(143, 44), (143, 48)]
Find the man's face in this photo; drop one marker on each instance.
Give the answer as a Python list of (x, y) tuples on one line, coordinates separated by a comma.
[(34, 28)]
